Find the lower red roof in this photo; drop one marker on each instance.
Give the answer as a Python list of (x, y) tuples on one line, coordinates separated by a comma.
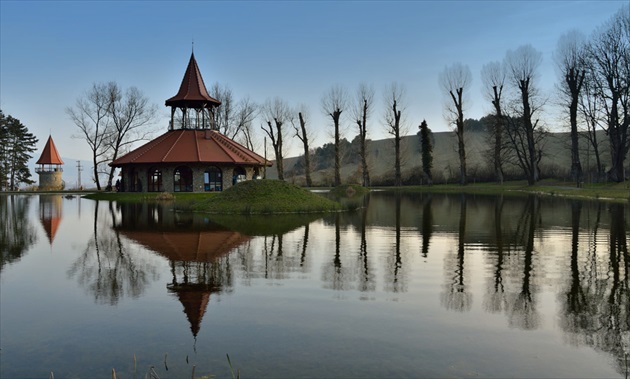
[(191, 146)]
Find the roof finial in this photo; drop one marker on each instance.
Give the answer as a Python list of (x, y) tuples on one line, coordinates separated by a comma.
[(193, 45)]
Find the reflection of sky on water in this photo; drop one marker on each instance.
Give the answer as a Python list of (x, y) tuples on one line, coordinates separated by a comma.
[(338, 290)]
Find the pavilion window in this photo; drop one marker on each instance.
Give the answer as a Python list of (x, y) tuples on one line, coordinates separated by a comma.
[(213, 179), (239, 175), (182, 179), (155, 180)]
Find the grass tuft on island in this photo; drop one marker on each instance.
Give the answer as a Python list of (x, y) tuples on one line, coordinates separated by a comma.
[(265, 197), (349, 190)]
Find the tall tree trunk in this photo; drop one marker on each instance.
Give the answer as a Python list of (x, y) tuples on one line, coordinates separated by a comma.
[(498, 135), (618, 143), (398, 176), (532, 162), (363, 132), (574, 81), (461, 146), (307, 157), (335, 116), (95, 173)]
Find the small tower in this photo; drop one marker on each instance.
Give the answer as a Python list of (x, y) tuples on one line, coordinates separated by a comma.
[(196, 106), (49, 169)]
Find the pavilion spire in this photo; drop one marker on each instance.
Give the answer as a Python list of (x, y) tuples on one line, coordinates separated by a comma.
[(192, 92)]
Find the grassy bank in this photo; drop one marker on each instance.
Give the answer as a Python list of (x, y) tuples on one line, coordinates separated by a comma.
[(272, 196), (602, 191)]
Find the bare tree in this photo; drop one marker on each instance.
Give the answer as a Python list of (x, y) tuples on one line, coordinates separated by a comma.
[(91, 115), (246, 112), (234, 118), (334, 102), (276, 114), (361, 112), (455, 81), (609, 62), (224, 114), (493, 81), (589, 108), (570, 61), (131, 114), (522, 65), (394, 122), (304, 135)]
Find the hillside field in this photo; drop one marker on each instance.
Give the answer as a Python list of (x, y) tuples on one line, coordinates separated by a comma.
[(556, 161)]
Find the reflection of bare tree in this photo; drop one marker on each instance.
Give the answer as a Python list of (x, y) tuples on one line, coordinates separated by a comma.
[(366, 277), (17, 234), (273, 260), (108, 269), (304, 246), (395, 280), (597, 303), (456, 296), (495, 301), (334, 274), (575, 298), (522, 309)]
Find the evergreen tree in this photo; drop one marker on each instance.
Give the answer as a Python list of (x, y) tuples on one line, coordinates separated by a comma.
[(427, 151), (16, 146)]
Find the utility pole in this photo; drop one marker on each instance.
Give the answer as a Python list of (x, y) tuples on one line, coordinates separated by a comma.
[(79, 168)]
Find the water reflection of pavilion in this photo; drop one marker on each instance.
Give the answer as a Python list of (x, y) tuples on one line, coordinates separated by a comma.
[(50, 214), (197, 251)]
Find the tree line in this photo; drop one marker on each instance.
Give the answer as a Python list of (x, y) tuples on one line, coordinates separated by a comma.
[(593, 91), (16, 147)]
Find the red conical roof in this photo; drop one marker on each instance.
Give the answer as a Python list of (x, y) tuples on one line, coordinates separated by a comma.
[(192, 92), (50, 155)]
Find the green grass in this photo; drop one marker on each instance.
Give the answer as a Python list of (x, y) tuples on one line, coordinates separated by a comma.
[(602, 191), (135, 197), (265, 197)]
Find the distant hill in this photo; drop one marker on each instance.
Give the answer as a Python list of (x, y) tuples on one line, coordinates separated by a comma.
[(556, 161)]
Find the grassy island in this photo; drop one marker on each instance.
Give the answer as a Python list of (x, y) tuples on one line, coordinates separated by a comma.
[(249, 197)]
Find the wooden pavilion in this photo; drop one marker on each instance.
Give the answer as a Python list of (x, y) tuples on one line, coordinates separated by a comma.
[(192, 156)]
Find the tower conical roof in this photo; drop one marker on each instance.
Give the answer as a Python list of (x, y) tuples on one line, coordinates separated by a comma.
[(50, 155), (192, 92)]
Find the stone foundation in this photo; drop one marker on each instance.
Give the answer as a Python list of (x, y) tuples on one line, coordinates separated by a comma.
[(140, 175), (50, 180)]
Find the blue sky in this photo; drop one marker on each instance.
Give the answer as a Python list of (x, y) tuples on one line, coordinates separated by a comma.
[(52, 51)]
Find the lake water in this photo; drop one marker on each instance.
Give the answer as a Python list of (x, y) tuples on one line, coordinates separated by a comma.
[(412, 285)]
